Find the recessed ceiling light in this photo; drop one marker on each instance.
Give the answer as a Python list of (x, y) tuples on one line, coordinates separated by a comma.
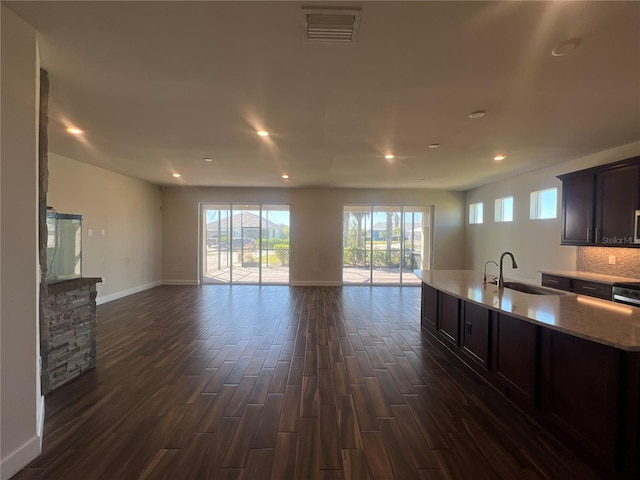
[(389, 156), (285, 176), (74, 131), (263, 133), (499, 157), (565, 47), (434, 145), (477, 114), (177, 175), (208, 159)]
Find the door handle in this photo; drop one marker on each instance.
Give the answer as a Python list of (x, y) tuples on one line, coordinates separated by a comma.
[(469, 327)]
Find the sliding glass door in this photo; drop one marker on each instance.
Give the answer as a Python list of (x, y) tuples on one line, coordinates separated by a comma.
[(386, 245), (416, 238), (275, 244), (216, 257), (245, 244), (356, 249), (383, 244)]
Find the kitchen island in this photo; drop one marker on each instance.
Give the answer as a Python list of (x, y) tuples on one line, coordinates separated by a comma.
[(571, 362)]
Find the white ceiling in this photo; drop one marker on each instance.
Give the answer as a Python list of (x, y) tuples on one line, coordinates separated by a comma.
[(157, 86)]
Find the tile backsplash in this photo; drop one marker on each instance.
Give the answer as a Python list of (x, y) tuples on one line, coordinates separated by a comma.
[(596, 260)]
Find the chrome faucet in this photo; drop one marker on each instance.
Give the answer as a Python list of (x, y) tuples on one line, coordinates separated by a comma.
[(513, 265), (484, 273)]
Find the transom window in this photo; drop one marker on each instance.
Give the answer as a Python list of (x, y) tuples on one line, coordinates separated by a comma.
[(504, 209), (544, 204), (475, 213)]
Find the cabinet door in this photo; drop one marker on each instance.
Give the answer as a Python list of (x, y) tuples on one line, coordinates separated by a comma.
[(449, 317), (516, 346), (616, 202), (429, 306), (476, 326), (580, 384), (577, 209)]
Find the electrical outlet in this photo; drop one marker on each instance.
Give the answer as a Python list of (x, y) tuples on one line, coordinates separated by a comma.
[(612, 259), (89, 233), (103, 232)]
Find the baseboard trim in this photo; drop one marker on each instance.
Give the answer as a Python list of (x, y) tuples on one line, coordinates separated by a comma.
[(40, 426), (181, 282), (125, 293), (20, 457), (315, 283)]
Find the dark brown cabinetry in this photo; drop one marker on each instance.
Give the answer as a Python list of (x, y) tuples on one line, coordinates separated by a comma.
[(593, 289), (583, 287), (586, 393), (556, 281), (617, 192), (577, 209), (475, 335), (449, 318), (599, 204), (429, 306), (580, 389), (516, 343)]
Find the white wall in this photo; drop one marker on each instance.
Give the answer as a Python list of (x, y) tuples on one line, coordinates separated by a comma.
[(20, 401), (316, 226), (128, 256), (534, 243)]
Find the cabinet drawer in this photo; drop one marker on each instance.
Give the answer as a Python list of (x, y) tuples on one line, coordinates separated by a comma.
[(553, 281), (592, 289)]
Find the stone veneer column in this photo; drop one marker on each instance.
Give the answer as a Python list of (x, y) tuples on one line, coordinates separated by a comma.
[(68, 332), (43, 188), (67, 309)]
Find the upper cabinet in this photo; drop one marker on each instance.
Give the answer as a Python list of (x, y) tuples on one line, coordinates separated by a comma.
[(617, 193), (577, 209), (599, 205)]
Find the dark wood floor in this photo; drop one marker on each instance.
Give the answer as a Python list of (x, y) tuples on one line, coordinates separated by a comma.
[(276, 382)]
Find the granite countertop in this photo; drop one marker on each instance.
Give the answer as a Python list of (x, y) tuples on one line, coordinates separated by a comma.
[(601, 321), (72, 284), (592, 277)]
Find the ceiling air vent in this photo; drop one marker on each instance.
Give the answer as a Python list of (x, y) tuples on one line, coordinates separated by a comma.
[(331, 25)]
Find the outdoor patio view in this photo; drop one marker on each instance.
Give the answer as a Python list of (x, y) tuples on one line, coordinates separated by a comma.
[(384, 244), (245, 243)]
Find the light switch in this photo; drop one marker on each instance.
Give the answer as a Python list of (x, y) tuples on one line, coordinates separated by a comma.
[(612, 259)]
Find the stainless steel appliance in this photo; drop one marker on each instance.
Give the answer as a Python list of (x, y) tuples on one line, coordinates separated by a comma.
[(627, 293)]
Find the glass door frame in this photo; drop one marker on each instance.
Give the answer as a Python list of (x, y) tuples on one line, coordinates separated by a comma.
[(234, 209), (427, 211)]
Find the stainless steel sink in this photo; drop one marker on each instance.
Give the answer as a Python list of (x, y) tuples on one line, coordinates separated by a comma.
[(531, 289)]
